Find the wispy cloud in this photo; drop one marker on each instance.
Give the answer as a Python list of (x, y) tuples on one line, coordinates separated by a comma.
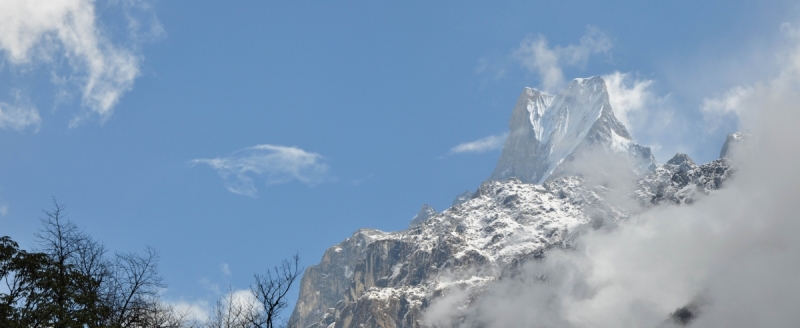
[(649, 116), (34, 32), (276, 164), (481, 145), (628, 95), (225, 268), (359, 181), (19, 115), (729, 104), (208, 285), (537, 56)]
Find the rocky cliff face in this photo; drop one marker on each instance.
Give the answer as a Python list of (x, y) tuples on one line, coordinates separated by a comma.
[(521, 157), (380, 279), (474, 242), (324, 284)]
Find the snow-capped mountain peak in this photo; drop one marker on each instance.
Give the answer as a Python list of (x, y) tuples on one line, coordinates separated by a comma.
[(547, 130), (394, 279)]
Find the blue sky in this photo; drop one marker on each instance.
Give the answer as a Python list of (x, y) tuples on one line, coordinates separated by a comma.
[(230, 135)]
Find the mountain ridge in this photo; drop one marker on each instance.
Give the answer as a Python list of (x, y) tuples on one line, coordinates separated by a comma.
[(389, 279)]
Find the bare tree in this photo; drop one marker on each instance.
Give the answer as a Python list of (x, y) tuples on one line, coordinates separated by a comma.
[(271, 289), (235, 311), (262, 304), (121, 292), (157, 314), (72, 287), (134, 285)]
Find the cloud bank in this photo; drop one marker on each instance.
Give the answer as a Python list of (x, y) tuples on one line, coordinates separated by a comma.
[(46, 32), (276, 164), (538, 57), (732, 257), (481, 145)]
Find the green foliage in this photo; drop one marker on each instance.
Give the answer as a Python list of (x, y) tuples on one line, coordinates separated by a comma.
[(46, 293)]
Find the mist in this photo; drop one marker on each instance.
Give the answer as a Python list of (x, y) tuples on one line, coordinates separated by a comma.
[(733, 257)]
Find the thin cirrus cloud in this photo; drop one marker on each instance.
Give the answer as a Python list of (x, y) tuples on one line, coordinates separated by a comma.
[(225, 268), (481, 145), (538, 57), (276, 164), (19, 115), (37, 33)]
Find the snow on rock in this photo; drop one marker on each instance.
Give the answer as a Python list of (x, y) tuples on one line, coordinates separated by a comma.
[(681, 181), (546, 131), (388, 279), (424, 213), (471, 243), (462, 198)]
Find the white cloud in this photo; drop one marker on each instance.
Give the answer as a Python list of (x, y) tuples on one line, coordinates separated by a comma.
[(19, 115), (225, 268), (742, 102), (627, 95), (535, 55), (198, 311), (650, 117), (41, 31), (243, 298), (231, 306), (276, 164), (480, 145), (729, 104)]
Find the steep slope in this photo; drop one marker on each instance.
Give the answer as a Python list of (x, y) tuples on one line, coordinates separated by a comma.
[(521, 157), (471, 243), (548, 131), (324, 284)]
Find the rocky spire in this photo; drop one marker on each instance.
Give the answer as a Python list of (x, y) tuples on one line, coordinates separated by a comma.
[(546, 131)]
